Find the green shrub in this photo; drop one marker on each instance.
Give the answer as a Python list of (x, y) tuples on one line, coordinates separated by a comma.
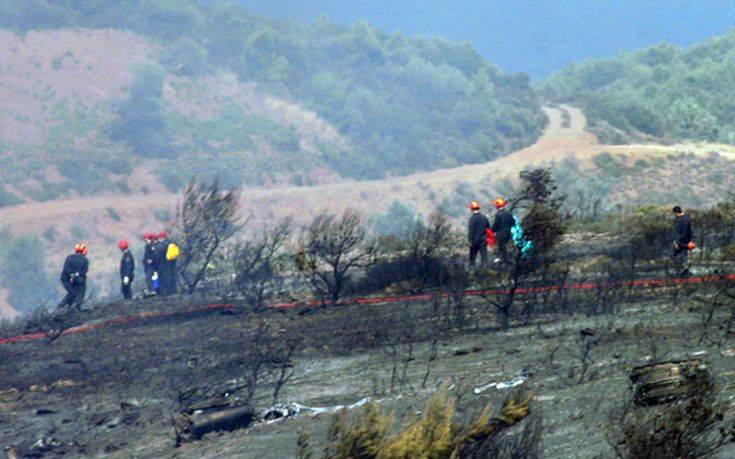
[(8, 199), (397, 221), (140, 122), (435, 435), (113, 214), (23, 273), (50, 234), (78, 232)]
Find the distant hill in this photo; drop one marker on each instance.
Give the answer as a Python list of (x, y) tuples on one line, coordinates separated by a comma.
[(136, 85), (93, 111), (662, 92)]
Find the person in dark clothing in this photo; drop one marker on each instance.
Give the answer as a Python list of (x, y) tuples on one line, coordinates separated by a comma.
[(149, 262), (477, 234), (682, 238), (74, 277), (127, 270), (159, 261), (502, 225), (166, 268)]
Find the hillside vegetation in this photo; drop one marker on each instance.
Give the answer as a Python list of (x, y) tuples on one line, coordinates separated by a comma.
[(662, 91), (225, 92)]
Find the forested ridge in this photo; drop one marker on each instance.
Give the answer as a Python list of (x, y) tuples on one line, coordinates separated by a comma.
[(404, 104), (663, 91)]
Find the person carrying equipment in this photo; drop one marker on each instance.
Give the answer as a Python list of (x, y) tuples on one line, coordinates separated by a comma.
[(502, 225), (74, 277), (167, 253), (682, 240), (127, 270), (477, 234), (149, 264)]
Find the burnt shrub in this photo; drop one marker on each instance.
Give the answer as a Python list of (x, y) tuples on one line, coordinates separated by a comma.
[(691, 428)]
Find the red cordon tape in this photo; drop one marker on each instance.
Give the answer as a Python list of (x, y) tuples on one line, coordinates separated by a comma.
[(375, 300)]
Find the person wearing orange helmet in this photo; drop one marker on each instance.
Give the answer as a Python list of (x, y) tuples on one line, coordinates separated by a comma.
[(682, 240), (502, 225), (74, 277), (477, 234), (127, 270)]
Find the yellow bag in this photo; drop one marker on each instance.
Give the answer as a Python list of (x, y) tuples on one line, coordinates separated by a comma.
[(172, 252)]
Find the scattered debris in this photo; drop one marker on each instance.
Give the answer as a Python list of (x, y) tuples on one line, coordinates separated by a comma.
[(335, 408), (280, 411), (10, 395), (290, 410), (12, 452), (466, 351), (728, 352), (668, 381), (517, 381)]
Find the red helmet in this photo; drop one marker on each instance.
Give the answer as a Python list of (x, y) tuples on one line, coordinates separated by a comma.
[(500, 203), (163, 235), (123, 244), (474, 205), (81, 248)]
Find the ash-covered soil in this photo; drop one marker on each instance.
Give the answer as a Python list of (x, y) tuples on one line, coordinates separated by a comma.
[(113, 392)]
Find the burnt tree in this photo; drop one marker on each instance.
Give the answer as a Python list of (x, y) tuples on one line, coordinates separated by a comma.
[(330, 248), (205, 222), (259, 264)]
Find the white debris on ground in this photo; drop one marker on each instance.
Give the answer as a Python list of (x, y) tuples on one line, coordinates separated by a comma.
[(517, 381), (280, 411), (728, 352)]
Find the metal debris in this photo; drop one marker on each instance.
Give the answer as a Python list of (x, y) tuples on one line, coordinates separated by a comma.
[(517, 381)]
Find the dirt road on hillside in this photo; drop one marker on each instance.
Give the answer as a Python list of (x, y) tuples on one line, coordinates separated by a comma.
[(556, 140)]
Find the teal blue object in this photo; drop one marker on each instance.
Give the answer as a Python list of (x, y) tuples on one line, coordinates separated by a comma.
[(519, 238)]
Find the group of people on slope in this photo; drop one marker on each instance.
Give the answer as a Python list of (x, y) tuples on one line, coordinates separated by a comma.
[(481, 234), (159, 265), (159, 258)]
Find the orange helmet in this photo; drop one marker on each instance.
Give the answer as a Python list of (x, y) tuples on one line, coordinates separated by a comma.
[(691, 246), (500, 203), (474, 205), (81, 248), (123, 244)]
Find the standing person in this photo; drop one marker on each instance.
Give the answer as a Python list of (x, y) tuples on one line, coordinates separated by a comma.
[(682, 240), (477, 234), (149, 262), (74, 277), (159, 260), (169, 252), (502, 225), (127, 270)]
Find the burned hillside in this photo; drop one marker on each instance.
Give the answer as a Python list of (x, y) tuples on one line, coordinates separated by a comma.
[(326, 331)]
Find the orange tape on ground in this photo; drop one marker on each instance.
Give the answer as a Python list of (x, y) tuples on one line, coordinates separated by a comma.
[(645, 283)]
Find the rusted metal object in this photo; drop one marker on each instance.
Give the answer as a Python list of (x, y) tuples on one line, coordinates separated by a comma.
[(193, 426), (668, 381), (213, 408)]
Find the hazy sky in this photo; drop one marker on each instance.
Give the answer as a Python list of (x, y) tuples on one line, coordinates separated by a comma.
[(532, 36)]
